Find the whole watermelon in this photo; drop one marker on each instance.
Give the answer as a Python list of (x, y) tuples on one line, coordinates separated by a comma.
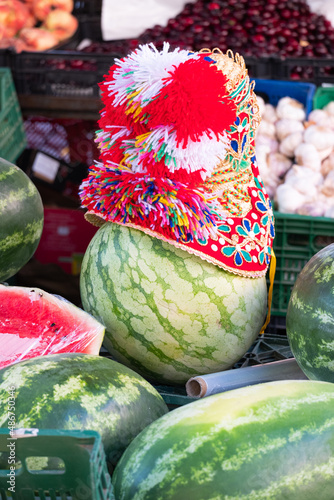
[(80, 391), (268, 441), (21, 219), (310, 316), (168, 315)]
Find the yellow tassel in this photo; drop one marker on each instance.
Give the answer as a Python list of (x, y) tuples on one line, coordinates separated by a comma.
[(272, 270), (140, 139)]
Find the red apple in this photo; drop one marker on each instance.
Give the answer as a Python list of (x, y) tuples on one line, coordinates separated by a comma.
[(38, 39), (13, 42), (13, 16), (42, 8), (61, 23)]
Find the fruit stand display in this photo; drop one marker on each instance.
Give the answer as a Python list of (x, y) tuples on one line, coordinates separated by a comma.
[(160, 299)]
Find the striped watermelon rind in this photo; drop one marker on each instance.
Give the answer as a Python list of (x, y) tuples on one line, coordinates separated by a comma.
[(21, 219), (84, 392), (268, 441), (168, 314), (310, 316)]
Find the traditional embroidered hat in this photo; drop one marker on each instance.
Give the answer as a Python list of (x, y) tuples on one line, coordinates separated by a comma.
[(178, 159)]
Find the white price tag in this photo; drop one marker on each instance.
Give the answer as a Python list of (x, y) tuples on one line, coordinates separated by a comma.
[(45, 168)]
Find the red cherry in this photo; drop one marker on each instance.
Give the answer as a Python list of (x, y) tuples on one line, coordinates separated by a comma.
[(213, 6)]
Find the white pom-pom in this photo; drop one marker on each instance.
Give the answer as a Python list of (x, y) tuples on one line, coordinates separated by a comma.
[(143, 71)]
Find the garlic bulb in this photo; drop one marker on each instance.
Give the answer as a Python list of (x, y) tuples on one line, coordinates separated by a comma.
[(328, 164), (322, 118), (262, 152), (317, 116), (321, 137), (328, 185), (315, 208), (265, 140), (305, 180), (270, 114), (288, 199), (266, 128), (329, 108), (324, 153), (290, 143), (287, 107), (286, 127), (329, 212), (278, 164), (270, 183), (307, 155), (261, 104), (296, 157)]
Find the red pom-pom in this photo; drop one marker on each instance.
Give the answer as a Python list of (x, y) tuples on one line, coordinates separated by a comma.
[(193, 101)]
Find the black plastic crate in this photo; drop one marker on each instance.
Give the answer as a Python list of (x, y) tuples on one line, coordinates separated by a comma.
[(267, 348), (259, 67), (60, 73), (4, 58), (315, 70), (92, 7), (276, 325), (90, 27)]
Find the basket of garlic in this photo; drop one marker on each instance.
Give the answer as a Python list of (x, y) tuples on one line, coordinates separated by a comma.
[(295, 155)]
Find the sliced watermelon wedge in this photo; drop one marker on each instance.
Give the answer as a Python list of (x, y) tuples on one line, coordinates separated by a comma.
[(36, 323)]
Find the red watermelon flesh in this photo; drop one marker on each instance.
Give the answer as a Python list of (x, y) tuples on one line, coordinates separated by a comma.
[(36, 323)]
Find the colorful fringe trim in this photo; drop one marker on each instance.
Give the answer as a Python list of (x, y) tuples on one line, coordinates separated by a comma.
[(120, 195)]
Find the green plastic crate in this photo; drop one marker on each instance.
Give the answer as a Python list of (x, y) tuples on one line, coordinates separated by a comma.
[(323, 96), (12, 133), (298, 238), (54, 465), (174, 396)]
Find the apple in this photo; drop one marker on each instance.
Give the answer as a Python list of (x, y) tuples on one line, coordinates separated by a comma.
[(37, 39), (13, 17), (13, 42), (61, 23), (42, 8)]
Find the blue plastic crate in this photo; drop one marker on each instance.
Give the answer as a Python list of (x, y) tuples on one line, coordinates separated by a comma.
[(273, 90)]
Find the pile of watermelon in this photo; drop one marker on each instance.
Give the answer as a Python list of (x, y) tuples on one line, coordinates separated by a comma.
[(49, 356), (164, 316), (21, 219)]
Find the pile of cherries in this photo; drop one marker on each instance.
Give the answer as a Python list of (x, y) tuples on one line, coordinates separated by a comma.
[(260, 28), (255, 28)]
